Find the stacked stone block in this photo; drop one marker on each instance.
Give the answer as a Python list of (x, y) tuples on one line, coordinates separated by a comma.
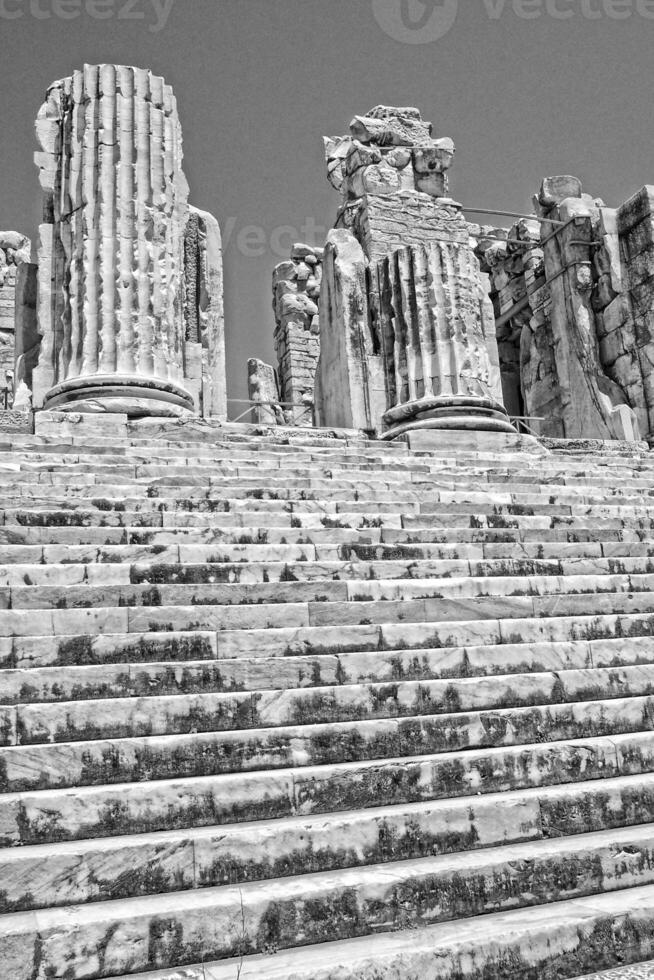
[(296, 293), (558, 286), (14, 252), (628, 319)]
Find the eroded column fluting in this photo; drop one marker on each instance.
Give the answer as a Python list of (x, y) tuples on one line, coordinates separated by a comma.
[(436, 330), (112, 244)]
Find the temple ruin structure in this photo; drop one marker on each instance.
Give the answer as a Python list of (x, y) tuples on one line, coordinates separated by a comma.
[(410, 302), (565, 314), (360, 683)]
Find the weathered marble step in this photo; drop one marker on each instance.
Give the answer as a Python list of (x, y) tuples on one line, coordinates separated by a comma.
[(206, 857), (62, 622), (397, 832), (83, 763), (232, 496), (558, 940), (288, 534), (246, 517), (447, 663), (255, 570), (279, 515), (286, 642), (125, 554), (307, 569), (501, 586), (176, 861), (253, 534), (405, 646), (492, 554), (312, 569), (99, 478), (530, 615), (73, 682), (532, 610), (136, 453), (123, 666), (584, 769), (636, 971), (145, 511), (179, 928), (36, 723), (135, 457), (241, 485), (501, 535), (380, 453), (221, 592), (430, 496), (521, 521), (553, 550), (228, 590)]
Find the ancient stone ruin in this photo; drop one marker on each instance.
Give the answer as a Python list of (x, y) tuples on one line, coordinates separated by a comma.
[(15, 252), (128, 274), (361, 687), (563, 290), (403, 289)]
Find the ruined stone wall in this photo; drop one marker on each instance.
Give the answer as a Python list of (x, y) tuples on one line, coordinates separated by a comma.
[(559, 286), (523, 306), (296, 294), (626, 302), (14, 253)]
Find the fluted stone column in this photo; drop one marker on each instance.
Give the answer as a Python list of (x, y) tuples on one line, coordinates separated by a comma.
[(437, 329), (112, 245)]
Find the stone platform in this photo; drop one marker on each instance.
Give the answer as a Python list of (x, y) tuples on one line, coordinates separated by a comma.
[(638, 971), (293, 704)]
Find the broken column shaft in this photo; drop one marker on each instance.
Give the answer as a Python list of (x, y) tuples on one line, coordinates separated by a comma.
[(111, 248)]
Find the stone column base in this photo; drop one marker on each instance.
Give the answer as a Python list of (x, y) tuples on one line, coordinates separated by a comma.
[(447, 412), (135, 397), (453, 442)]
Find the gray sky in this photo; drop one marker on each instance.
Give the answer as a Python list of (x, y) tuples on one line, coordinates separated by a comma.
[(524, 87)]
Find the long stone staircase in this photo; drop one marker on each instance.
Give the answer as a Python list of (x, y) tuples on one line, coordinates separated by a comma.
[(300, 705)]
